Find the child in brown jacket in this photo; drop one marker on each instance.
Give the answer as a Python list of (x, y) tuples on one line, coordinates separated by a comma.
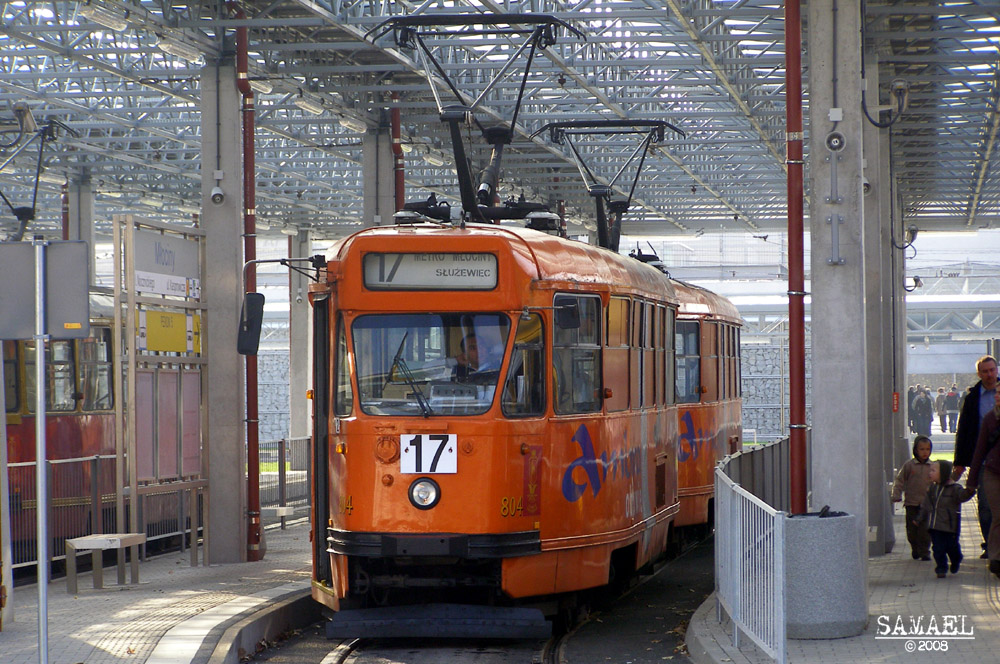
[(911, 486)]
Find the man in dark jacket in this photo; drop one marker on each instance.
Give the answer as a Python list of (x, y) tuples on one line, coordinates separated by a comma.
[(978, 402)]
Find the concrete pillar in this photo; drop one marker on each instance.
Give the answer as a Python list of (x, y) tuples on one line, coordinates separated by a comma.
[(379, 191), (81, 217), (223, 377), (299, 337), (839, 323), (878, 311)]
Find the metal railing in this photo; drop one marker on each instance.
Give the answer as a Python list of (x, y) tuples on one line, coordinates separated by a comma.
[(284, 479), (751, 490), (82, 499), (82, 502)]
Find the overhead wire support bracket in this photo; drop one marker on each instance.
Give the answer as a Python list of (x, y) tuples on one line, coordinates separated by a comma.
[(652, 132), (418, 33)]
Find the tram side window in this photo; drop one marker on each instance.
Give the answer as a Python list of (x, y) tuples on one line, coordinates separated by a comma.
[(688, 362), (95, 370), (10, 376), (722, 341), (576, 347), (616, 358), (343, 390), (60, 383), (739, 364), (524, 389), (669, 355)]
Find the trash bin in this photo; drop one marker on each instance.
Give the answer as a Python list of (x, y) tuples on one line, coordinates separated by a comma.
[(824, 586)]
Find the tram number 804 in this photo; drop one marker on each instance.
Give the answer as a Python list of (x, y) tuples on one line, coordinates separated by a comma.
[(511, 506), (428, 453)]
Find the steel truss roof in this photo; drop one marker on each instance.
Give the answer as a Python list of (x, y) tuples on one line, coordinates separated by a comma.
[(714, 68)]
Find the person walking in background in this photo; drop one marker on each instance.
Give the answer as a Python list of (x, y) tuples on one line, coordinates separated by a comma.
[(985, 467), (941, 409), (923, 412), (979, 401), (951, 406), (910, 394), (941, 512), (912, 482)]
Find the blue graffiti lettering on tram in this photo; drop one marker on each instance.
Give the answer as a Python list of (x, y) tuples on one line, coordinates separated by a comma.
[(691, 441), (625, 461)]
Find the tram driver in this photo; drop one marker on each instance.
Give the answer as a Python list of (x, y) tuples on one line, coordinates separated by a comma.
[(467, 358)]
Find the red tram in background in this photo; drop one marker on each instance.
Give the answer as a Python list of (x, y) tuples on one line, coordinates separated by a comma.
[(549, 465), (79, 425)]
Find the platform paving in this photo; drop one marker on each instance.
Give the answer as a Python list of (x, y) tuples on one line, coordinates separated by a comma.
[(898, 587), (179, 614), (176, 614)]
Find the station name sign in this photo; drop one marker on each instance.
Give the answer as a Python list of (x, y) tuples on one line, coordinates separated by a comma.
[(166, 265), (427, 271)]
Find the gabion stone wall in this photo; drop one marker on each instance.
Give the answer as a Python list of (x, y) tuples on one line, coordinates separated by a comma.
[(272, 388), (766, 390)]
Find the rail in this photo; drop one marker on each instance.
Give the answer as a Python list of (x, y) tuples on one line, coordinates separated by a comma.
[(82, 499), (82, 502), (751, 498)]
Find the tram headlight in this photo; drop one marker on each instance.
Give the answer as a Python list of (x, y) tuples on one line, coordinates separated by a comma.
[(424, 493)]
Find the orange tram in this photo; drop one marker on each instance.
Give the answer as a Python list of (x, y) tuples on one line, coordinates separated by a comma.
[(504, 414)]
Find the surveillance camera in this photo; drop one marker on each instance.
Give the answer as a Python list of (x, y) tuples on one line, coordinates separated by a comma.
[(298, 299), (218, 195), (912, 230), (835, 141), (866, 186)]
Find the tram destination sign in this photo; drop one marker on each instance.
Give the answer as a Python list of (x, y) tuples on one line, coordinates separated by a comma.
[(430, 271)]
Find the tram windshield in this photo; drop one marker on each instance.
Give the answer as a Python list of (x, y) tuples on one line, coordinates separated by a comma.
[(429, 364)]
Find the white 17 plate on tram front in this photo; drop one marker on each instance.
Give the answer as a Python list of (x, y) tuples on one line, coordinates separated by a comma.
[(428, 453)]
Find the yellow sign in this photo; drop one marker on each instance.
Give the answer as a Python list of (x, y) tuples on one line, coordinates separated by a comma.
[(169, 332)]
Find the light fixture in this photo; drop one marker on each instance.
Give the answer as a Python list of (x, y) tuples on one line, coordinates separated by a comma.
[(309, 105), (353, 124), (181, 50), (189, 209), (262, 225), (407, 147), (51, 177), (424, 493), (152, 202), (434, 159), (917, 283), (111, 193), (290, 230), (103, 16), (261, 85)]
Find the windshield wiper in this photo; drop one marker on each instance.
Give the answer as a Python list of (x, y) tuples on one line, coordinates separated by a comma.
[(398, 361)]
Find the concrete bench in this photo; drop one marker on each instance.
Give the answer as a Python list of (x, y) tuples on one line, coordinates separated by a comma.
[(282, 511), (97, 544)]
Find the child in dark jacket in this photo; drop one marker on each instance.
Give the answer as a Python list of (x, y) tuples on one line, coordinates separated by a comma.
[(911, 486), (941, 512)]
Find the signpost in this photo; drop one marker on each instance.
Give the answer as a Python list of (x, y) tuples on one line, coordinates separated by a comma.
[(61, 311)]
